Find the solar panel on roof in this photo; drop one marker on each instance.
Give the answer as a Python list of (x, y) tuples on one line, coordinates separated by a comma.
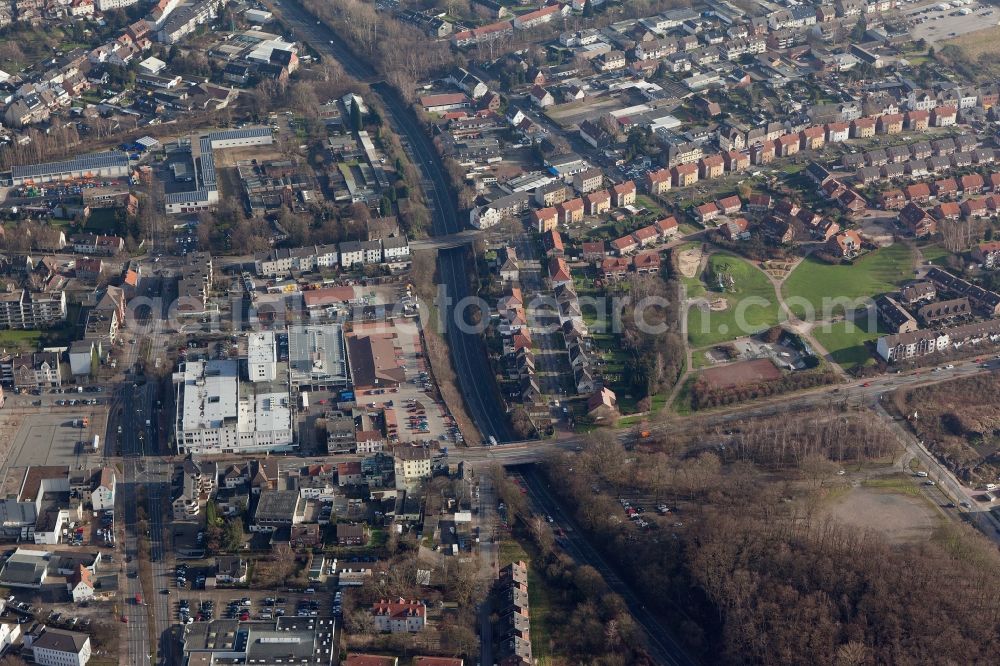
[(92, 162)]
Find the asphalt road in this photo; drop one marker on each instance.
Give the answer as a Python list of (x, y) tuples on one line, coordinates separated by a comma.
[(468, 349)]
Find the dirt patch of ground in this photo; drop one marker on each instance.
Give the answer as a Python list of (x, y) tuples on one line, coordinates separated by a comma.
[(744, 372), (718, 305), (688, 262), (900, 518)]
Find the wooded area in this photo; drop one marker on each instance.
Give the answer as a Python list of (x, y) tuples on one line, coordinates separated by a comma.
[(754, 572), (959, 422)]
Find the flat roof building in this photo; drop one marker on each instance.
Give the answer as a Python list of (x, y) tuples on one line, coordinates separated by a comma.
[(111, 164), (217, 414), (317, 357)]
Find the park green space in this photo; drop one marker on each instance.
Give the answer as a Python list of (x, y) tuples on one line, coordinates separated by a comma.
[(709, 328), (815, 281), (845, 340)]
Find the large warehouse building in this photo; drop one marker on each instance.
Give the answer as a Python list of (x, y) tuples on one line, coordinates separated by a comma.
[(206, 191), (112, 164)]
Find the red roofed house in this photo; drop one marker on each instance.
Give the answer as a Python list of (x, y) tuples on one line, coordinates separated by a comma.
[(892, 199), (730, 205), (788, 145), (623, 194), (763, 153), (812, 138), (559, 272), (947, 211), (553, 243), (666, 227), (735, 160), (597, 203), (838, 132), (918, 192), (399, 616), (995, 182), (614, 268), (943, 116), (646, 262), (685, 174), (623, 245), (593, 251), (711, 166), (735, 229), (645, 236), (945, 187), (445, 102), (846, 244), (889, 123), (545, 219), (658, 182), (916, 121), (862, 128), (974, 207), (972, 183), (988, 254), (570, 211), (707, 212)]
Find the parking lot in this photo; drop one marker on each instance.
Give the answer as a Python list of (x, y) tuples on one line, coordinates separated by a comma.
[(194, 605), (56, 437), (933, 24)]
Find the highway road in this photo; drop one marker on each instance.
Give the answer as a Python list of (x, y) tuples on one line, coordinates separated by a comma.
[(468, 349)]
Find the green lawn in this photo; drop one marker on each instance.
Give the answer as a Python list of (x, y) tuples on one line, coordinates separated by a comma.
[(935, 254), (845, 340), (827, 289), (17, 339), (752, 304)]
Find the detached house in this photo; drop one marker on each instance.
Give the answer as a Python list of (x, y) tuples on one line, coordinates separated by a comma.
[(944, 116), (889, 123), (597, 203), (863, 128), (812, 138), (846, 244), (685, 175), (711, 166), (544, 219), (623, 194), (658, 182), (735, 160), (917, 121)]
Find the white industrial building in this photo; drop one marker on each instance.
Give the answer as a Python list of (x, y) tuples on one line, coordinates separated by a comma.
[(218, 414), (262, 357), (113, 164)]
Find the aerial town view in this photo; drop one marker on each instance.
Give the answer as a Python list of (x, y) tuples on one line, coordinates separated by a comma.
[(499, 332)]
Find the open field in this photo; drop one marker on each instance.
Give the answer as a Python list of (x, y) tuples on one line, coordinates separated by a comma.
[(845, 340), (743, 372), (887, 507), (978, 42), (749, 303), (824, 288)]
